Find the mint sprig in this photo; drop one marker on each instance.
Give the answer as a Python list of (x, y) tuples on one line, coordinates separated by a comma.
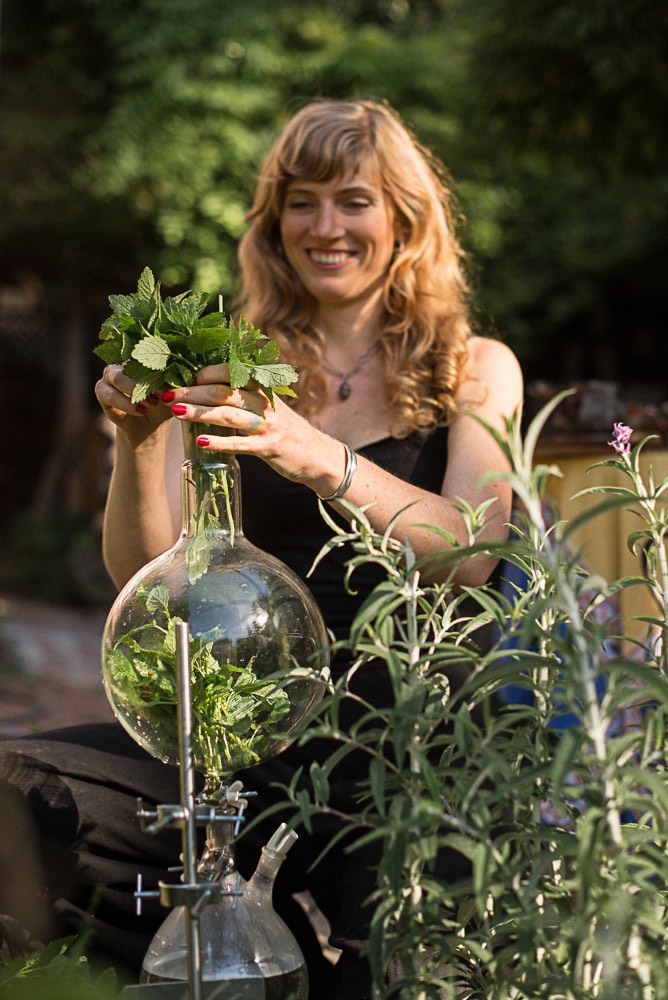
[(234, 710), (165, 342)]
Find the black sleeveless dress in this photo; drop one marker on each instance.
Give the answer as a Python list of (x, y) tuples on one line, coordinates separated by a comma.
[(283, 518), (81, 783)]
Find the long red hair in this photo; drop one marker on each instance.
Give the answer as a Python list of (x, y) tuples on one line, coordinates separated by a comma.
[(426, 323)]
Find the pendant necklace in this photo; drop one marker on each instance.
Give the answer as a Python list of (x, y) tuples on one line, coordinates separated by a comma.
[(345, 387)]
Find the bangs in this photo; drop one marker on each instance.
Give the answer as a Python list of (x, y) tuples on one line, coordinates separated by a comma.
[(325, 151)]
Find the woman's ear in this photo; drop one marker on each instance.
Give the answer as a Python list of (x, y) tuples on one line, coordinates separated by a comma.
[(401, 234), (399, 245)]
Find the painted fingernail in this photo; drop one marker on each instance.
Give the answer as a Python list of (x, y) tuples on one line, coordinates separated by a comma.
[(140, 409), (202, 441), (168, 396), (179, 409), (153, 400)]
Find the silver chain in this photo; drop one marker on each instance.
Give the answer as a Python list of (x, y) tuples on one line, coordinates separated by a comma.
[(345, 388)]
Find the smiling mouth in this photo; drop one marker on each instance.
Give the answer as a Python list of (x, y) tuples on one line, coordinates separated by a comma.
[(330, 256)]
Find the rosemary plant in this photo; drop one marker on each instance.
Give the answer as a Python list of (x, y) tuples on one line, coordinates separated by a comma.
[(527, 780)]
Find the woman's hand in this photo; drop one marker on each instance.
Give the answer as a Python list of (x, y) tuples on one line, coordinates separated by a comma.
[(135, 420), (271, 430)]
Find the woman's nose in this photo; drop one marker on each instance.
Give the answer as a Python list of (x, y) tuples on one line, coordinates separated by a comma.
[(326, 222)]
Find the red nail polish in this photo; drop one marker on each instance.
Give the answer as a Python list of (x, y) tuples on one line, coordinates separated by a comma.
[(168, 396), (202, 441), (179, 409), (140, 409)]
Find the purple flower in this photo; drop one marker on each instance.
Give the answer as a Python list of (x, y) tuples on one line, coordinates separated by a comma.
[(621, 440)]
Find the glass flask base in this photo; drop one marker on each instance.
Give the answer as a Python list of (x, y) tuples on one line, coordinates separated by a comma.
[(284, 986)]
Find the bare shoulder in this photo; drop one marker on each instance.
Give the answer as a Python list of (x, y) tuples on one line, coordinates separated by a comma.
[(491, 390), (492, 377), (488, 355)]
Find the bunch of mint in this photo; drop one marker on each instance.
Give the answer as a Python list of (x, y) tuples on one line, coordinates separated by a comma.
[(166, 342), (235, 712)]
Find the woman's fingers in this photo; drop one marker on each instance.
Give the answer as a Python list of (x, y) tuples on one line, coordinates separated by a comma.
[(238, 418), (114, 393), (209, 400), (216, 396), (213, 374), (212, 400), (115, 376)]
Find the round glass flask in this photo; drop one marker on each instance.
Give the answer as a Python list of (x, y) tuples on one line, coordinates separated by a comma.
[(258, 643)]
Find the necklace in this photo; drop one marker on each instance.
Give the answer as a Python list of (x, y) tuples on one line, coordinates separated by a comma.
[(345, 388)]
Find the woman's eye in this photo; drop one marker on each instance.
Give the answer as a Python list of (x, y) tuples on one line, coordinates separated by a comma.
[(357, 204)]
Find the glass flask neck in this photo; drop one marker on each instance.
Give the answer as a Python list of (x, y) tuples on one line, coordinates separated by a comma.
[(210, 494), (218, 861)]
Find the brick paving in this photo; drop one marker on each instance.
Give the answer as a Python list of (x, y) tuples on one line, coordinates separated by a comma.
[(49, 667)]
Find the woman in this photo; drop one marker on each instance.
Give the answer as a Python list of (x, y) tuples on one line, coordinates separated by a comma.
[(351, 263)]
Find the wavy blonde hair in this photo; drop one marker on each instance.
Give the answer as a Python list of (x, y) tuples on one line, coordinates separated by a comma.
[(426, 325)]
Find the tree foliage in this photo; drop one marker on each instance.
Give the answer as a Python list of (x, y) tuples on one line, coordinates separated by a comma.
[(133, 131), (584, 83), (151, 118)]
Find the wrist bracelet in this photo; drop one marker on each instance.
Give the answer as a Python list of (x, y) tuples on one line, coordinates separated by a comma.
[(351, 465)]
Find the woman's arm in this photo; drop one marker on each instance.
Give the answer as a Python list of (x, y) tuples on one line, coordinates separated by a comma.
[(492, 386), (141, 513)]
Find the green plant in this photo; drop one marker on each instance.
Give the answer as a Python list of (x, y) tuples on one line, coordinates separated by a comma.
[(57, 972), (234, 710), (165, 342), (556, 811)]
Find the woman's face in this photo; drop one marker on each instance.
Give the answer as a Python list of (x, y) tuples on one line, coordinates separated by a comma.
[(339, 236)]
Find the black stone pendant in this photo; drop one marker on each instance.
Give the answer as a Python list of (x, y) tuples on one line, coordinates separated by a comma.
[(344, 389)]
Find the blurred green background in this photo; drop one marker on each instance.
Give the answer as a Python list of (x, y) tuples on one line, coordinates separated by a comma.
[(131, 132)]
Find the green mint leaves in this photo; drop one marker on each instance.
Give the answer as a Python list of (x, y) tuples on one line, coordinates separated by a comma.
[(234, 713), (152, 352), (164, 342)]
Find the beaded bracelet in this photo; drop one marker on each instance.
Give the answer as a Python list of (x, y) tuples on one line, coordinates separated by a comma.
[(351, 465)]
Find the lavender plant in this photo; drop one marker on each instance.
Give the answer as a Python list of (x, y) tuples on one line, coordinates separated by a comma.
[(547, 805), (647, 500)]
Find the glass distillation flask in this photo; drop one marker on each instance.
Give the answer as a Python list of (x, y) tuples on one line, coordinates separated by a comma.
[(258, 641), (257, 663), (244, 944)]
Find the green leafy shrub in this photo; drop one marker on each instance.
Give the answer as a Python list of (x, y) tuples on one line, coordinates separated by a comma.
[(57, 972), (557, 806)]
